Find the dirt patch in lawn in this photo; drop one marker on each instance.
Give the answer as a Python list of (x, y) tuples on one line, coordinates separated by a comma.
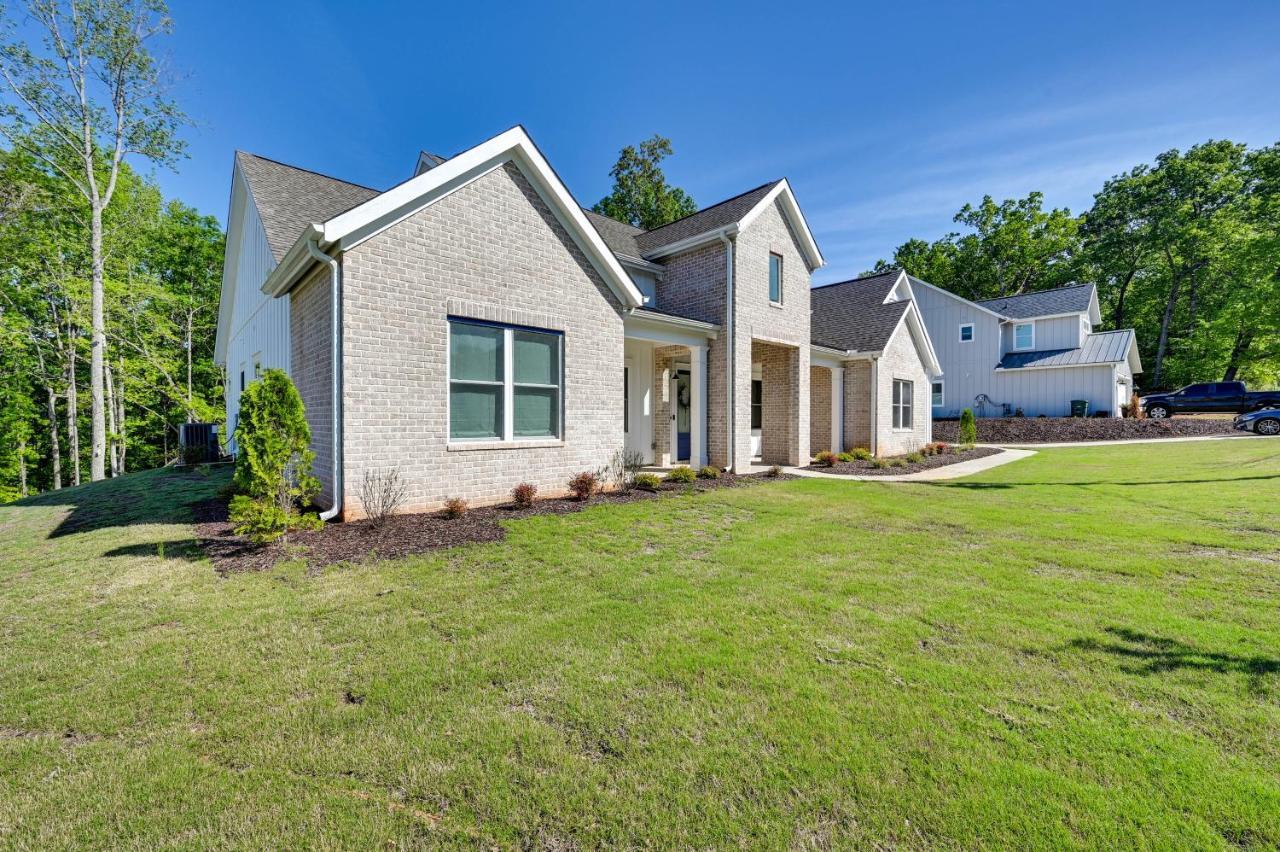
[(866, 468), (1043, 430), (404, 535)]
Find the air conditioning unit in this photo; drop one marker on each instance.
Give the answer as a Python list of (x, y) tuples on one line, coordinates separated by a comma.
[(199, 443)]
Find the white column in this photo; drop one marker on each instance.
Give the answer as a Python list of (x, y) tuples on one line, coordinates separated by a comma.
[(697, 406), (837, 409)]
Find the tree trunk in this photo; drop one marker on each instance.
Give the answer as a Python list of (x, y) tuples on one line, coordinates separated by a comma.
[(97, 354), (22, 467), (1163, 345), (1244, 339), (122, 444), (1118, 317), (190, 322), (111, 417), (55, 451), (73, 417)]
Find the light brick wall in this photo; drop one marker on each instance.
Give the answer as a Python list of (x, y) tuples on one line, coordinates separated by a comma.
[(857, 404), (901, 360), (491, 250), (311, 354), (820, 410), (786, 325)]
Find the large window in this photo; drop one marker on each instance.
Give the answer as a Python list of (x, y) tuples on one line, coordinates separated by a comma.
[(966, 332), (504, 383), (902, 391), (936, 391), (775, 278), (1024, 335)]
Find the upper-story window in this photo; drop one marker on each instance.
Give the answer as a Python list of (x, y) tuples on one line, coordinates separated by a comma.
[(1086, 327), (775, 278), (966, 332), (1024, 335), (504, 382)]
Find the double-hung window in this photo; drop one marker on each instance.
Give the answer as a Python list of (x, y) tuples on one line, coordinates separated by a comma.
[(902, 391), (1024, 335), (936, 391), (505, 383), (775, 278)]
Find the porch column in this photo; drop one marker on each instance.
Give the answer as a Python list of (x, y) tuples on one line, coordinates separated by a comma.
[(837, 409), (697, 406)]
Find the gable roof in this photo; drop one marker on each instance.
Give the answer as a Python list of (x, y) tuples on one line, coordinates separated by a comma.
[(348, 228), (289, 199), (1104, 347), (1064, 300), (620, 237), (708, 219), (853, 315)]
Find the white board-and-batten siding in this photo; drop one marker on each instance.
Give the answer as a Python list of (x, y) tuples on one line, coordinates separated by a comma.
[(259, 326)]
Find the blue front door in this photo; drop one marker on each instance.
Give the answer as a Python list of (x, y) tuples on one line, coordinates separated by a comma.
[(683, 420)]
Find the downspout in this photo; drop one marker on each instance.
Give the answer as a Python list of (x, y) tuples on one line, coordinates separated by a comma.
[(875, 406), (730, 344), (335, 373)]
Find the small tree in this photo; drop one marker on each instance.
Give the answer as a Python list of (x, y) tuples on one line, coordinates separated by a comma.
[(641, 195), (968, 427), (273, 469)]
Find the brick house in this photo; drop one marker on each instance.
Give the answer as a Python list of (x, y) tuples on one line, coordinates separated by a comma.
[(490, 331)]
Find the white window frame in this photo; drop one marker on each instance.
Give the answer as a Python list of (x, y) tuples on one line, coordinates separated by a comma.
[(899, 407), (772, 255), (1029, 346), (942, 393), (973, 334), (508, 383)]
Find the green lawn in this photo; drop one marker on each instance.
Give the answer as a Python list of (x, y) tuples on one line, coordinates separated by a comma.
[(1079, 649)]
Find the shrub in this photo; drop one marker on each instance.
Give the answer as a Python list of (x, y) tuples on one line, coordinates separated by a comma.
[(774, 471), (1017, 412), (584, 484), (915, 458), (846, 458), (968, 427), (382, 494), (897, 461), (1134, 408), (708, 472), (860, 454), (937, 448), (623, 467), (647, 481), (455, 507), (273, 470), (880, 464), (683, 473), (523, 494), (826, 458)]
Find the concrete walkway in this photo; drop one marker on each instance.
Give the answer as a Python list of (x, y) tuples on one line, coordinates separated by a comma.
[(951, 471), (1182, 439)]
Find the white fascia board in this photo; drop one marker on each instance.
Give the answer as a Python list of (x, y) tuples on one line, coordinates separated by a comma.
[(823, 356), (1093, 366), (231, 252), (692, 242), (295, 261), (1095, 312), (920, 335), (902, 278), (782, 192), (670, 331), (1135, 359), (971, 304)]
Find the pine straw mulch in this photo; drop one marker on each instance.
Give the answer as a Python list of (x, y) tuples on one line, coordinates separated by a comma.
[(404, 535), (865, 468)]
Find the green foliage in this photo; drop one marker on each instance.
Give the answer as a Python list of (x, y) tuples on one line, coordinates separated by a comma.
[(647, 481), (860, 453), (826, 458), (683, 473), (915, 458), (273, 468), (641, 195), (709, 472), (968, 427)]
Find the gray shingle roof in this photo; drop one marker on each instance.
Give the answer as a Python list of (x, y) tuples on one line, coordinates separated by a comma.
[(853, 314), (1103, 347), (289, 199), (618, 236), (708, 219), (1064, 300)]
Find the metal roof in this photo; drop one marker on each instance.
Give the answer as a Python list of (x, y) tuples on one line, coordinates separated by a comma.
[(1104, 347)]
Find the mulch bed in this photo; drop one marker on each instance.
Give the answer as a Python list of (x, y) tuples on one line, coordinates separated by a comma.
[(404, 535), (1041, 430), (865, 468)]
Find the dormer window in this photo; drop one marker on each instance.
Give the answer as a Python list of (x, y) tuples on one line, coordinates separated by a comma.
[(1024, 335), (775, 278)]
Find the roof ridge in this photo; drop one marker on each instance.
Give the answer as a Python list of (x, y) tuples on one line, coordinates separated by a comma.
[(307, 171), (868, 277), (717, 204), (1032, 293)]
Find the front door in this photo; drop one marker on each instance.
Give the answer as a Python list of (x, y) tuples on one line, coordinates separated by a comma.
[(682, 415)]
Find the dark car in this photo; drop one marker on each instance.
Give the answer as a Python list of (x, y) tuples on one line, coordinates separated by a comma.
[(1228, 397), (1265, 421)]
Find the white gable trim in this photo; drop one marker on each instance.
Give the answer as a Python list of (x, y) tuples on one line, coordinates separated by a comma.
[(358, 224), (920, 335), (971, 304), (782, 193)]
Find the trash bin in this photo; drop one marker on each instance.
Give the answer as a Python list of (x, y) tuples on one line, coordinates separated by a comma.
[(1079, 408)]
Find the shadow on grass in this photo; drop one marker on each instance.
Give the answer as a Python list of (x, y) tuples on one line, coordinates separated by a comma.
[(161, 496), (182, 548), (987, 486), (1155, 654)]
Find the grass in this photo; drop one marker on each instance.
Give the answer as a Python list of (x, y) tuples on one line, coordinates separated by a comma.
[(1075, 650)]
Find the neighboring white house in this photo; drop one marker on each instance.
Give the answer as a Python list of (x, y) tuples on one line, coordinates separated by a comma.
[(1034, 353)]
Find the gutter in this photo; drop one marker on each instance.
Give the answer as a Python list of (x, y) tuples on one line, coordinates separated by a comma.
[(335, 372), (730, 343)]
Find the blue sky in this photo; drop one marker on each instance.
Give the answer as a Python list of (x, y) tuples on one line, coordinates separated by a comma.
[(886, 117)]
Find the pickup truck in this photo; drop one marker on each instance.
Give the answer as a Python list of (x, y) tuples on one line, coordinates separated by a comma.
[(1231, 397)]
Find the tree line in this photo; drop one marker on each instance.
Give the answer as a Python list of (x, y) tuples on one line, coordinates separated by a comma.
[(1185, 250)]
